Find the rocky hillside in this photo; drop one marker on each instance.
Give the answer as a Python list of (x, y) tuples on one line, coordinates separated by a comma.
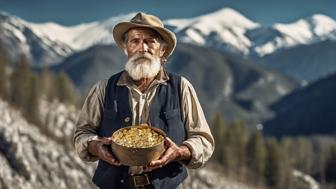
[(32, 158)]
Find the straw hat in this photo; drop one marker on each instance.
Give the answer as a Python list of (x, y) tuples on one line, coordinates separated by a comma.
[(147, 21)]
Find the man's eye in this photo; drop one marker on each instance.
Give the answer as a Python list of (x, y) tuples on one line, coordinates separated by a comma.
[(152, 41), (134, 41)]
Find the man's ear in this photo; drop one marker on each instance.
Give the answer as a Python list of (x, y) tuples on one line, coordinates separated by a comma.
[(163, 50), (125, 51)]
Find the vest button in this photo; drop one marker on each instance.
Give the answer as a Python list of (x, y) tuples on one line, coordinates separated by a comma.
[(122, 181), (127, 119)]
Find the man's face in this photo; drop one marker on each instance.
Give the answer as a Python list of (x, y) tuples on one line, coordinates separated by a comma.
[(143, 41), (144, 52)]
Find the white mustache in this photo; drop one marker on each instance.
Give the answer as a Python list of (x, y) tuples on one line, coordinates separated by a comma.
[(140, 56)]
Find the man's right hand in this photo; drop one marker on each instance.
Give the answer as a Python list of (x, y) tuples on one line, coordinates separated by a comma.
[(102, 149)]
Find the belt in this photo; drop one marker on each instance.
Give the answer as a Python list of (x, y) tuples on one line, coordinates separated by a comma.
[(141, 181)]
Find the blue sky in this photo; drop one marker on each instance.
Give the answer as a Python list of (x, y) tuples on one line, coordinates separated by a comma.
[(69, 12)]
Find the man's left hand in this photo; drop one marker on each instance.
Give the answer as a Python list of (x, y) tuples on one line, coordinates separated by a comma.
[(172, 153)]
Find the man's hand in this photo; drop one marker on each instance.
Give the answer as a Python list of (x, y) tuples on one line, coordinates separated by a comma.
[(172, 153), (102, 149)]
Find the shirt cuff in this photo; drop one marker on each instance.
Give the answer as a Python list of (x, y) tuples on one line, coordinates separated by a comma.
[(194, 162), (82, 150)]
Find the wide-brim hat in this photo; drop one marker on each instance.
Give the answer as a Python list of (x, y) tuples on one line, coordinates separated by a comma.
[(147, 21)]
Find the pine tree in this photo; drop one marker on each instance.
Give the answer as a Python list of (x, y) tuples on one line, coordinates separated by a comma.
[(331, 165), (218, 130), (256, 155), (322, 159), (288, 149), (31, 109), (303, 155), (229, 163), (46, 84), (65, 90), (229, 159), (275, 171), (3, 77), (235, 154), (19, 84)]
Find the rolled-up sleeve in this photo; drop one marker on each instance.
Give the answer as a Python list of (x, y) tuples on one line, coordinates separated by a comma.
[(199, 138), (88, 120)]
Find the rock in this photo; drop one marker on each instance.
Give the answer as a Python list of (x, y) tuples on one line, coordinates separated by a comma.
[(304, 181)]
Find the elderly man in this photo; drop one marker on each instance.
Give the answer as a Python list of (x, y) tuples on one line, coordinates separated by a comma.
[(144, 93)]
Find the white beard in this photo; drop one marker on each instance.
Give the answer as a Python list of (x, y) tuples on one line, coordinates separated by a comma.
[(143, 66)]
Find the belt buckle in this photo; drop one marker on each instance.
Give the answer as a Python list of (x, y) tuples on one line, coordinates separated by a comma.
[(141, 180)]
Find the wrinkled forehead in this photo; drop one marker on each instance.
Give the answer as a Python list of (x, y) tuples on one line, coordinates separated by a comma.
[(142, 31)]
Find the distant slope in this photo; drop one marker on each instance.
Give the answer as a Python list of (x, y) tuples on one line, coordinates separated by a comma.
[(88, 66), (240, 90), (304, 62), (307, 111)]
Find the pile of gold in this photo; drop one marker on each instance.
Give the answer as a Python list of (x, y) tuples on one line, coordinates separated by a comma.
[(137, 137)]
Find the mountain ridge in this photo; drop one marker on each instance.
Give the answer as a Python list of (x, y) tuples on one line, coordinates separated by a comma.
[(225, 29)]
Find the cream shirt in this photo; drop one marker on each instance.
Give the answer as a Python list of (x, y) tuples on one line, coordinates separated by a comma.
[(199, 138)]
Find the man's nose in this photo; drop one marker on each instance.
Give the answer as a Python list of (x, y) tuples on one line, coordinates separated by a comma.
[(143, 47)]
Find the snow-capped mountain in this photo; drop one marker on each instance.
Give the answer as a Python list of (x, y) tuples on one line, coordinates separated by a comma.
[(80, 36), (279, 46), (49, 43), (18, 38), (314, 29), (225, 29)]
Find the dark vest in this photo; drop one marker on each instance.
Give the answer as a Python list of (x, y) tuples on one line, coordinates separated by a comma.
[(165, 113)]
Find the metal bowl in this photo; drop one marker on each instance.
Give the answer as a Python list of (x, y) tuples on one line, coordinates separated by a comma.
[(138, 156)]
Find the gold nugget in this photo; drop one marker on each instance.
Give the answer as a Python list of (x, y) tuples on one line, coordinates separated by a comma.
[(138, 137)]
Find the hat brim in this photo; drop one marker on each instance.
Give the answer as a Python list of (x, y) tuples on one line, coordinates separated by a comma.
[(121, 28)]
